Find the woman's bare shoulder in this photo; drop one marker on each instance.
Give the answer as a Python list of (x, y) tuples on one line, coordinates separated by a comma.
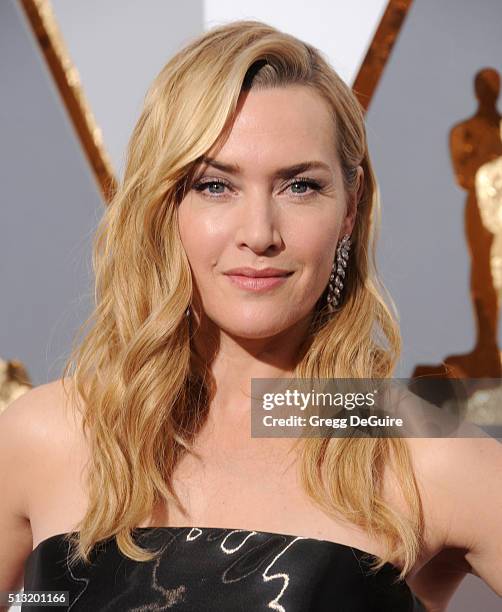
[(37, 443), (461, 482), (42, 416)]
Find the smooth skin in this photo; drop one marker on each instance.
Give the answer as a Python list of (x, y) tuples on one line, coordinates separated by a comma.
[(257, 219)]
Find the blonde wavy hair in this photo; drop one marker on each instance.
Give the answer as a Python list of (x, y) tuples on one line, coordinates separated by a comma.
[(142, 391)]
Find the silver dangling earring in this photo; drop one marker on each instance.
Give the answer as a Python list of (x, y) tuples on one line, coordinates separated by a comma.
[(187, 312), (338, 273)]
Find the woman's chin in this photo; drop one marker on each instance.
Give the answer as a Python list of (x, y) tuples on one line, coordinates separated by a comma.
[(253, 330), (256, 334)]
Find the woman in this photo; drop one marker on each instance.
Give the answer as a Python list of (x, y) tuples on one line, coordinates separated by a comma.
[(137, 484)]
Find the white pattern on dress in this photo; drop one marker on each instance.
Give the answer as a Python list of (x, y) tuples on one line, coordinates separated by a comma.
[(86, 580), (274, 604), (227, 550), (190, 537)]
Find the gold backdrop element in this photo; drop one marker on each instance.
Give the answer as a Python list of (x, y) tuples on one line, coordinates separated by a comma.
[(14, 381), (488, 183), (379, 50), (43, 23), (476, 149)]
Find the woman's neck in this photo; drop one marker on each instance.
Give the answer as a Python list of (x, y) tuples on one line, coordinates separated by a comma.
[(234, 361)]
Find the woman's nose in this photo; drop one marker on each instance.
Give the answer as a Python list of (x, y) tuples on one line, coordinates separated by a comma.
[(258, 225)]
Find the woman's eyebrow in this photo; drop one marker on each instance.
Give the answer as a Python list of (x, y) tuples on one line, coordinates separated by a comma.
[(284, 173)]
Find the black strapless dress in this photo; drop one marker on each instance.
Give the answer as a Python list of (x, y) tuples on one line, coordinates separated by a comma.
[(219, 570)]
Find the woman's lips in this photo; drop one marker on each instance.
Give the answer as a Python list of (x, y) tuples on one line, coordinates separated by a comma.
[(257, 283)]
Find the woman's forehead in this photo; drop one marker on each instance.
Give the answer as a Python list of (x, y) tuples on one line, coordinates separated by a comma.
[(279, 127), (281, 110)]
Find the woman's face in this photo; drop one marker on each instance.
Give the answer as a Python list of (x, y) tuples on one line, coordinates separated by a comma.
[(250, 207)]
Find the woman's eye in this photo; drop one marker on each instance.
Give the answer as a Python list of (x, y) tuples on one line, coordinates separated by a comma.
[(305, 183), (202, 186)]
